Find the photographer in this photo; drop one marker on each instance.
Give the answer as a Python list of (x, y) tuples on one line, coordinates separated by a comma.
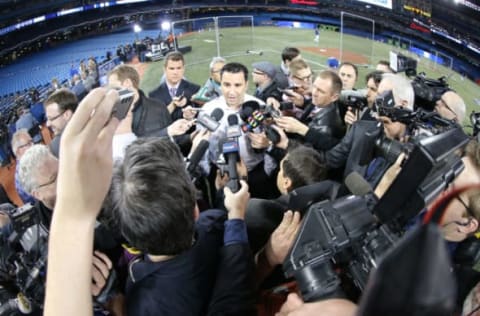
[(347, 155), (451, 106), (38, 175), (373, 80)]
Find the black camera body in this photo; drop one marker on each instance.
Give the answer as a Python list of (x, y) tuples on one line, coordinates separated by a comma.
[(428, 91), (345, 239), (355, 99)]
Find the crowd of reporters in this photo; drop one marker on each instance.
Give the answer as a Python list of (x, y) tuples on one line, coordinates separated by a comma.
[(189, 199)]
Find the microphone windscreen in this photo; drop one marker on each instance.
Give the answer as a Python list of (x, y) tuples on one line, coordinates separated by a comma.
[(357, 184), (232, 120), (254, 105), (217, 114), (197, 155)]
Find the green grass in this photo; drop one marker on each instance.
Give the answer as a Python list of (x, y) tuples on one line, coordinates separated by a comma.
[(235, 42)]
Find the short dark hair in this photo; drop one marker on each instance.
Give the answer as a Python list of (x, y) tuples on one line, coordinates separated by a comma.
[(174, 56), (346, 63), (289, 53), (235, 68), (376, 75), (303, 165), (154, 198), (66, 100), (334, 78)]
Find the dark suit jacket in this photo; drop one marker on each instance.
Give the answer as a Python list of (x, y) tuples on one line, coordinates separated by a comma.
[(150, 117), (270, 91), (186, 88)]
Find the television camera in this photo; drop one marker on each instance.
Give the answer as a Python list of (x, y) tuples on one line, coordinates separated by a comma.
[(344, 239)]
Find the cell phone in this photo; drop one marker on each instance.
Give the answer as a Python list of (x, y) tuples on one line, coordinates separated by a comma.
[(121, 107)]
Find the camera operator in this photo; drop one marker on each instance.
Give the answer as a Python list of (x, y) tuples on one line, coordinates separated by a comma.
[(347, 155), (373, 80), (451, 106), (326, 124), (38, 175)]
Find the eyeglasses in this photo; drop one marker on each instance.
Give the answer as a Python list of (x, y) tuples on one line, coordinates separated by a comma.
[(304, 79), (51, 119), (52, 181), (467, 208), (448, 108), (30, 143), (258, 72)]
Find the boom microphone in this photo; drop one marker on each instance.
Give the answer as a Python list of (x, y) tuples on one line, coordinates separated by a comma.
[(196, 157), (357, 184)]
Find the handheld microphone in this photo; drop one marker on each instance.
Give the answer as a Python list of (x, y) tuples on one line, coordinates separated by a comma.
[(195, 158), (231, 153), (233, 129), (210, 122)]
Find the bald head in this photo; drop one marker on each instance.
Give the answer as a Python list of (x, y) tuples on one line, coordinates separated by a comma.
[(451, 106)]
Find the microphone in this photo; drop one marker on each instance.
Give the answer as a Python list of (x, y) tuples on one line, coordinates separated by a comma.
[(306, 112), (233, 129), (357, 184), (210, 122), (196, 156), (231, 153)]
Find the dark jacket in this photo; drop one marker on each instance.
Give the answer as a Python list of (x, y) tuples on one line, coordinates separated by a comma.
[(272, 90), (185, 88), (184, 284), (150, 117), (348, 154), (326, 128)]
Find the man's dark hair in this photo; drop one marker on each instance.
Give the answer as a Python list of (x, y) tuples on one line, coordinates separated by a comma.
[(334, 78), (235, 68), (66, 100), (346, 63), (153, 198), (303, 166), (289, 53), (174, 56), (376, 75), (124, 72)]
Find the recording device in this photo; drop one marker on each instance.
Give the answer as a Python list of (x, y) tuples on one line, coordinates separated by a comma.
[(428, 91), (400, 63), (121, 107), (210, 122), (345, 239), (258, 120), (230, 152), (475, 120), (353, 98), (205, 94), (194, 159), (23, 258)]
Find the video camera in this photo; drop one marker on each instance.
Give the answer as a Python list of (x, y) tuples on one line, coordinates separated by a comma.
[(353, 98), (428, 91), (23, 263), (353, 233), (400, 63), (475, 120)]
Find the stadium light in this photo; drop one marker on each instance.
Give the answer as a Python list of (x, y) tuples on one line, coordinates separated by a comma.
[(137, 28), (166, 26)]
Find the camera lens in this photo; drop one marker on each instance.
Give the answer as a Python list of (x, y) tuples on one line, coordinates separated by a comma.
[(317, 281)]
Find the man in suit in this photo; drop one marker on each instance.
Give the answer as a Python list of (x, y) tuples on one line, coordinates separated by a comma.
[(175, 91), (326, 118)]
